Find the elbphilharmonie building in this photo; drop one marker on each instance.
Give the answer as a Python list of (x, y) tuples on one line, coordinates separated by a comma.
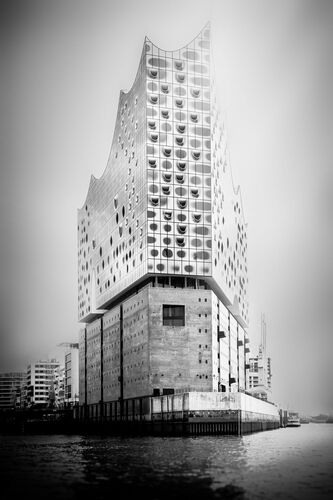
[(162, 244)]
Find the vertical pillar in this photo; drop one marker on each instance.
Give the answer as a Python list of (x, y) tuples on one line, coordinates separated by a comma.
[(237, 356), (121, 359), (229, 337), (102, 376), (85, 414)]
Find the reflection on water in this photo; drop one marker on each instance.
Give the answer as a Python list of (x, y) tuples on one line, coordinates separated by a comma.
[(293, 463)]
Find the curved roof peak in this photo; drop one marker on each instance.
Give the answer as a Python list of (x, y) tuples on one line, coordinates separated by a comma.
[(204, 33)]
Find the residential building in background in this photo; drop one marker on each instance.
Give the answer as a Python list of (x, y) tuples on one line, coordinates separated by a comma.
[(41, 376), (260, 372), (162, 243), (11, 384), (57, 389), (71, 374)]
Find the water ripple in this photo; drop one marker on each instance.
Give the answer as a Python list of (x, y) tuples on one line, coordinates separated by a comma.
[(282, 464)]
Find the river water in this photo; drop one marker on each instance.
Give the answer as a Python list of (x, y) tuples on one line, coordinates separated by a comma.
[(290, 463)]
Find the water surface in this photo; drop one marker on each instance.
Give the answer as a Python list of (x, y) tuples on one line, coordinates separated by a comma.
[(291, 463)]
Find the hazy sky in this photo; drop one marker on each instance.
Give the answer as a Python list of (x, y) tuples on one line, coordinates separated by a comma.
[(63, 64)]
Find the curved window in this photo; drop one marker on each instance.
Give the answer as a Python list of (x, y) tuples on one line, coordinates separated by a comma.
[(152, 162), (181, 128), (167, 214), (180, 242), (153, 73), (165, 88), (154, 99), (157, 61), (167, 152), (195, 192), (167, 253), (194, 118), (166, 189), (179, 65), (180, 178), (154, 200), (180, 77), (195, 92), (180, 141), (181, 165), (179, 103), (153, 188), (154, 137), (167, 177), (180, 153), (196, 217), (196, 155), (165, 113), (181, 228), (180, 191), (152, 124), (195, 143), (166, 164)]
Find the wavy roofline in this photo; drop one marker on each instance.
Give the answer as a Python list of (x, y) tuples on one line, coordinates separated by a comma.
[(207, 25), (93, 180), (237, 191), (122, 93)]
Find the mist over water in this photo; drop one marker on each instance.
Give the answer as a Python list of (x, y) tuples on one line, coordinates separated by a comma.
[(291, 463)]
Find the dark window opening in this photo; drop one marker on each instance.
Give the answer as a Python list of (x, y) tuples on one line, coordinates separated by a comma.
[(173, 315), (163, 281), (177, 282), (168, 391)]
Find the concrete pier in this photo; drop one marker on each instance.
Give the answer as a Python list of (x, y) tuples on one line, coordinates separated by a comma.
[(191, 413)]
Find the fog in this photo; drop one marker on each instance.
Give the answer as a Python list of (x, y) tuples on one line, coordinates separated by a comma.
[(63, 65)]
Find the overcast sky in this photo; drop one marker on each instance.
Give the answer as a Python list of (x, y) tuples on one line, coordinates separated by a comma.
[(63, 64)]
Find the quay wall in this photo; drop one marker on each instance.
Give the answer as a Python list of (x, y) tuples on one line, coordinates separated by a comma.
[(177, 414), (186, 413)]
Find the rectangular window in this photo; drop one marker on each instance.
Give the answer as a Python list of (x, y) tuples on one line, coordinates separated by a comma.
[(173, 315)]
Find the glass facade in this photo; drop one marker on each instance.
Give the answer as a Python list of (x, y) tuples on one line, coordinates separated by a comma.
[(162, 242)]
